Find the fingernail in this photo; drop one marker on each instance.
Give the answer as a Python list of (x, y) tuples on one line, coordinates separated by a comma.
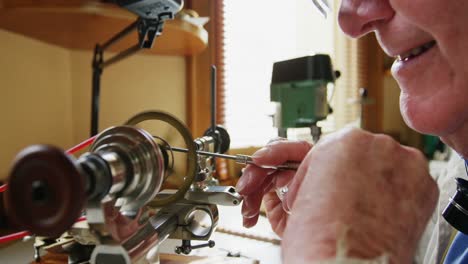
[(243, 181), (261, 152), (286, 207), (248, 222), (287, 203), (249, 213), (245, 223)]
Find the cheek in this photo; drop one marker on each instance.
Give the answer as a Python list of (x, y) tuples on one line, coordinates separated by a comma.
[(434, 98), (438, 105), (422, 11), (445, 20)]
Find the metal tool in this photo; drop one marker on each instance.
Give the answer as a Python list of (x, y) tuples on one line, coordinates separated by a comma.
[(243, 159)]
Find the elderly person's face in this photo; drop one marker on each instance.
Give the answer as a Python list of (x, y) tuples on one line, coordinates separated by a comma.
[(430, 39)]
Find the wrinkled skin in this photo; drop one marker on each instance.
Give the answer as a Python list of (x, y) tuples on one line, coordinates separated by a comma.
[(258, 183), (367, 189), (364, 188), (434, 88)]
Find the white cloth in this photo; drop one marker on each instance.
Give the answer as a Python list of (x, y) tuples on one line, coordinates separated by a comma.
[(436, 239)]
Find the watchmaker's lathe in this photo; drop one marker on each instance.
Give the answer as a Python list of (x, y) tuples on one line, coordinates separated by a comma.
[(116, 186), (108, 205)]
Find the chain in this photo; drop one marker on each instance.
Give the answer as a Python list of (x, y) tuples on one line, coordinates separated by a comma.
[(244, 235)]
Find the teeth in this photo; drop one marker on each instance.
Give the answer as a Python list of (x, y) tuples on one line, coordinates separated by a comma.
[(415, 52)]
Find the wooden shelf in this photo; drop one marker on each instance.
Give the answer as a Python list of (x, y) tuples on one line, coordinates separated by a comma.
[(80, 24)]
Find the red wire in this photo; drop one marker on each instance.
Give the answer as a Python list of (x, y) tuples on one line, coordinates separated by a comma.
[(14, 236), (3, 188), (81, 146), (73, 150), (22, 234), (81, 219)]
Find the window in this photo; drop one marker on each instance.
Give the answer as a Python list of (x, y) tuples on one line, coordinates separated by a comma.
[(257, 34)]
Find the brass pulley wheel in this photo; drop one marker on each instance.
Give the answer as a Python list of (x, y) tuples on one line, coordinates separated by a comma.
[(191, 154)]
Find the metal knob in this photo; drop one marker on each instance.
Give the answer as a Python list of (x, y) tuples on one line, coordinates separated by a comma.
[(46, 191)]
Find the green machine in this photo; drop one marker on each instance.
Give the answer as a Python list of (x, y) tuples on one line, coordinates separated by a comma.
[(299, 89)]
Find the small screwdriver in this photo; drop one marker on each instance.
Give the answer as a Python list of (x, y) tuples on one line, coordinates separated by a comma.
[(243, 159)]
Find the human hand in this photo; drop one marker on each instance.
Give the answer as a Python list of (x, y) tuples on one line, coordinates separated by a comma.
[(365, 191), (257, 183)]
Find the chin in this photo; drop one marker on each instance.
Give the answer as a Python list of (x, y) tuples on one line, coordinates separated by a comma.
[(432, 117)]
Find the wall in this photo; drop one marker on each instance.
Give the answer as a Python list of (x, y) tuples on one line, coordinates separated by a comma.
[(35, 95), (393, 123), (136, 84), (46, 90), (139, 83)]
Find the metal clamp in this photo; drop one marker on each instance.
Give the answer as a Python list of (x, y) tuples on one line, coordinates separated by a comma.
[(219, 195)]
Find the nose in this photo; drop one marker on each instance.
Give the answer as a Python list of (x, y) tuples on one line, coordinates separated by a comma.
[(359, 17)]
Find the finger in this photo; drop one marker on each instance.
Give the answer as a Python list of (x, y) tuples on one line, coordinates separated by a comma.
[(252, 179), (275, 212), (251, 203), (276, 140), (279, 152), (281, 226), (273, 205), (295, 184), (281, 181), (250, 222), (282, 178)]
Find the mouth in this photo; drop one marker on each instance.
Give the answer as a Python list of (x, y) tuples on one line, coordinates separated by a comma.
[(418, 51)]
